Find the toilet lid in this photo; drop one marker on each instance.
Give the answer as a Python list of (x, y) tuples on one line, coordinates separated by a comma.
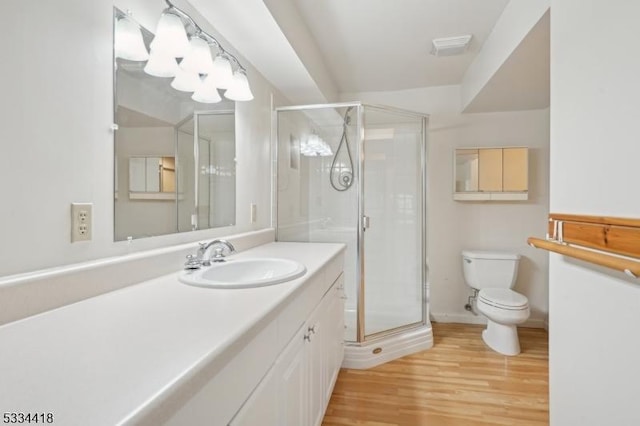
[(503, 298)]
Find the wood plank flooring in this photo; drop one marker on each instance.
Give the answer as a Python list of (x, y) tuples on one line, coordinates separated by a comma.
[(459, 381)]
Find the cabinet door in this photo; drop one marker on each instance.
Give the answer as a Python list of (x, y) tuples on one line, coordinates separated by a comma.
[(292, 378), (490, 169), (317, 356), (515, 169), (262, 406), (335, 341)]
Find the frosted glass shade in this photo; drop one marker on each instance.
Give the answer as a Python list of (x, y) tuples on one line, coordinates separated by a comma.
[(222, 71), (198, 58), (161, 65), (207, 93), (171, 38), (186, 81), (128, 43), (239, 89)]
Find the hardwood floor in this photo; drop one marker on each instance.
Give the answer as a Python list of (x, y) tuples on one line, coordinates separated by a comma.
[(459, 381)]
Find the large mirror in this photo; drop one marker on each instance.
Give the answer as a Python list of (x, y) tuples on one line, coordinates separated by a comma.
[(174, 157)]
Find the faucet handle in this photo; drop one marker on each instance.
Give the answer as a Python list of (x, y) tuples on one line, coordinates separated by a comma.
[(218, 255), (192, 262)]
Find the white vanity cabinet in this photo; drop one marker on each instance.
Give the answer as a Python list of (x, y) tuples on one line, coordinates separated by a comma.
[(297, 389), (285, 374)]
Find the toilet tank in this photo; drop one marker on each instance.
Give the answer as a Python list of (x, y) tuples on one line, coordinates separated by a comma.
[(486, 269)]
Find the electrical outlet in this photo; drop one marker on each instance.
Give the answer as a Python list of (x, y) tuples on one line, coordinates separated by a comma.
[(254, 213), (81, 222)]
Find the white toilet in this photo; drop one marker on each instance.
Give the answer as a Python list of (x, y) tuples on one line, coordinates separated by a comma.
[(494, 274)]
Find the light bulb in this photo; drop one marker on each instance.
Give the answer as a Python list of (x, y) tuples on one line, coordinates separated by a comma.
[(128, 43), (171, 38)]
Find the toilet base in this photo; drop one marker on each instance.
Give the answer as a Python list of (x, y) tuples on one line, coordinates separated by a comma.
[(502, 338)]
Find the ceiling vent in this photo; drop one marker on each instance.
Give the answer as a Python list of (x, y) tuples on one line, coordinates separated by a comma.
[(450, 46)]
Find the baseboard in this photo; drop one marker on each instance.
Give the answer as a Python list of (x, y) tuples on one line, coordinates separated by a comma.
[(479, 319)]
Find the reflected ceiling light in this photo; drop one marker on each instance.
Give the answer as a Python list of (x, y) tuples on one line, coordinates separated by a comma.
[(315, 146), (186, 81), (222, 71), (207, 92), (239, 89), (171, 37), (198, 58), (161, 64), (128, 42)]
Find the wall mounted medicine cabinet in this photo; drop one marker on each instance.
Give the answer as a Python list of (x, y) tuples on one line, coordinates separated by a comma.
[(491, 174)]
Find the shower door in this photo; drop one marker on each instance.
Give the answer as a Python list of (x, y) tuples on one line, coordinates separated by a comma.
[(206, 153), (393, 230), (354, 174)]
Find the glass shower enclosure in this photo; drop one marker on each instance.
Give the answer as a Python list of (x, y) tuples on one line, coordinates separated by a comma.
[(355, 174)]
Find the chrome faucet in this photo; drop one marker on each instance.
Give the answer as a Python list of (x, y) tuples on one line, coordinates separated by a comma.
[(218, 245)]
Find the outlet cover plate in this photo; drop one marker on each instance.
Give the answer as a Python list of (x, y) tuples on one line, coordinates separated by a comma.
[(81, 221)]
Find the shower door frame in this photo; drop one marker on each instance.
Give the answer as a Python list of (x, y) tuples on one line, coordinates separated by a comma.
[(361, 337)]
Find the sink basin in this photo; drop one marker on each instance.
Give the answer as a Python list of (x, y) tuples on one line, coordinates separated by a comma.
[(245, 273)]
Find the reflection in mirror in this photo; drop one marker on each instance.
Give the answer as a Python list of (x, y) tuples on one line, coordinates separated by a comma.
[(174, 157)]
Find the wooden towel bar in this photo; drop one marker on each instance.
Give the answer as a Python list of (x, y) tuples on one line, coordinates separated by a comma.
[(607, 241)]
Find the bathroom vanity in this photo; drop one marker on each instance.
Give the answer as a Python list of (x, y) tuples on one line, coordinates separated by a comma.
[(163, 352)]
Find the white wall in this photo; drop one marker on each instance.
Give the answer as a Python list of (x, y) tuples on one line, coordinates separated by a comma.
[(56, 113), (516, 21), (453, 225), (594, 312)]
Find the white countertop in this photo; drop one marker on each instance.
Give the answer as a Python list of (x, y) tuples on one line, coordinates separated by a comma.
[(102, 360)]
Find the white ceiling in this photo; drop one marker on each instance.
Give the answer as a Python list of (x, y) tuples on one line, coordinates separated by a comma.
[(317, 51), (375, 45)]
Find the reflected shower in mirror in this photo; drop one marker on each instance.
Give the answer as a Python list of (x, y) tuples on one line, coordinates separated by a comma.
[(174, 157)]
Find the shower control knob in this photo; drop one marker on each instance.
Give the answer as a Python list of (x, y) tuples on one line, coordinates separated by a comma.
[(307, 337), (312, 330)]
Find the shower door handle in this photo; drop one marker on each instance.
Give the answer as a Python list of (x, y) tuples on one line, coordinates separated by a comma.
[(366, 222)]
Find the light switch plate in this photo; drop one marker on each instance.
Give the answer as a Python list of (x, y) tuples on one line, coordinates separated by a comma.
[(81, 221)]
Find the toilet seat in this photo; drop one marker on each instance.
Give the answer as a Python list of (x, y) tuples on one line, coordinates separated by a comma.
[(503, 298)]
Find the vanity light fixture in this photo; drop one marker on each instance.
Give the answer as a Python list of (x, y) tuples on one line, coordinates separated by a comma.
[(179, 36), (171, 37), (222, 71), (207, 92), (239, 88), (198, 58), (186, 81), (161, 64), (128, 42)]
